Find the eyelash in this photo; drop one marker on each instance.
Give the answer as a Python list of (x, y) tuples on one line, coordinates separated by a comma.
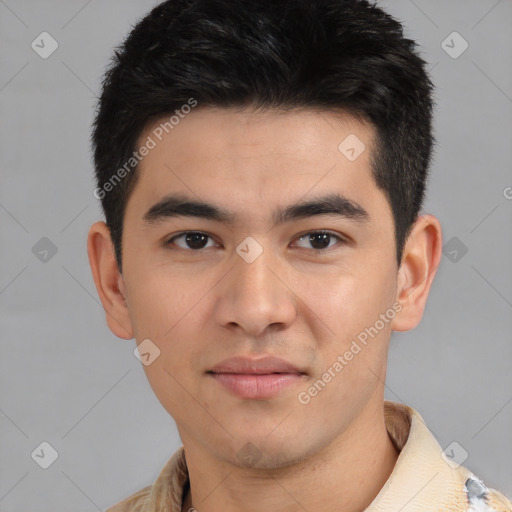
[(314, 251)]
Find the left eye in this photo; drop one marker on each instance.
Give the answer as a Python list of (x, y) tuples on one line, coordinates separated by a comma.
[(196, 240), (320, 238)]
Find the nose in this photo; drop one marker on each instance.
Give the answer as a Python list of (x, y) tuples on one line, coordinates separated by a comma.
[(255, 296)]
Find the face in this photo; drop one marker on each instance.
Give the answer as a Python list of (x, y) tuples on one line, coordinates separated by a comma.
[(254, 277)]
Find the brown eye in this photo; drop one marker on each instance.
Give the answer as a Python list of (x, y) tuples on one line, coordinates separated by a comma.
[(192, 240), (319, 241)]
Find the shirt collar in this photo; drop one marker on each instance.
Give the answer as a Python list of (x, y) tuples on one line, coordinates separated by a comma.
[(423, 478)]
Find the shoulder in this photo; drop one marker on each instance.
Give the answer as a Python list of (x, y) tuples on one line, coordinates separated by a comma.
[(134, 503), (167, 488)]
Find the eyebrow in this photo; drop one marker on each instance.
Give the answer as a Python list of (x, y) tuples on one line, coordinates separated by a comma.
[(179, 205)]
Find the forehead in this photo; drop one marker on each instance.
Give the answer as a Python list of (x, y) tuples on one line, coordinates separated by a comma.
[(245, 159), (237, 132)]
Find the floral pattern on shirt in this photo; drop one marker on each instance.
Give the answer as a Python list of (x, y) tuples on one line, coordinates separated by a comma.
[(478, 496)]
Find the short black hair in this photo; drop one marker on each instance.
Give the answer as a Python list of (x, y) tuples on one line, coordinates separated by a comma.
[(333, 55)]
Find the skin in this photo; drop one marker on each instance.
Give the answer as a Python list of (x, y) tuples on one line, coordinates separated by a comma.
[(200, 308)]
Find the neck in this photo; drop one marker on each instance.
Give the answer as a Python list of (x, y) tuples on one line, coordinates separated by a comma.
[(346, 475)]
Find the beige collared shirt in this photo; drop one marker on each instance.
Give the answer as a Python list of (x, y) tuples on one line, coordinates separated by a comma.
[(423, 479)]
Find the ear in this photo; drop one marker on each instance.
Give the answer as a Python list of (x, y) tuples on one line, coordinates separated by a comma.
[(108, 280), (420, 259)]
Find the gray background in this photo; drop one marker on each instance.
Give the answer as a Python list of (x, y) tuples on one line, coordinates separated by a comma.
[(66, 379)]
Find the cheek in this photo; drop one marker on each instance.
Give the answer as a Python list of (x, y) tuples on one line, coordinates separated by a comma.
[(346, 303), (160, 302), (347, 312), (353, 352), (168, 309), (172, 375)]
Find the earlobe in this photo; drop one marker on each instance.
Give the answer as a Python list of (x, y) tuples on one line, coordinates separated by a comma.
[(108, 280), (421, 257)]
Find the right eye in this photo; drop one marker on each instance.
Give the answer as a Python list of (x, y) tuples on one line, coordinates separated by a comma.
[(193, 240)]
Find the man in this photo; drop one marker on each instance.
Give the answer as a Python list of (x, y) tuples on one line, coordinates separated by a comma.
[(262, 167)]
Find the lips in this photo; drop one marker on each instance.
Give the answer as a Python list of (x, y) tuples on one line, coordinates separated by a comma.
[(259, 379), (263, 366)]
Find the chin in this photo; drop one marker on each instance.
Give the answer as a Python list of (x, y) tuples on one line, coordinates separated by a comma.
[(259, 453)]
